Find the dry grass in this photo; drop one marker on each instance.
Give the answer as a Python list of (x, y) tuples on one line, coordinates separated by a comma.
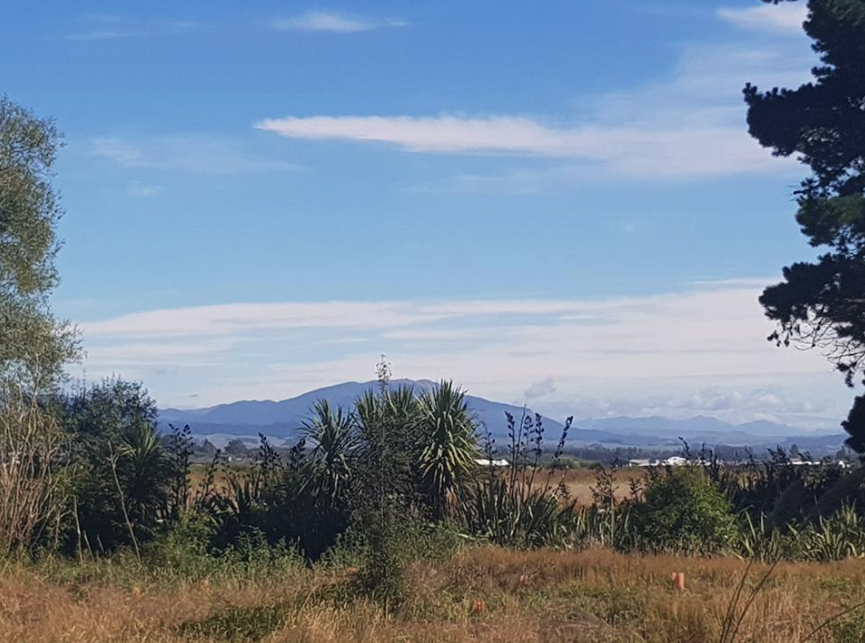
[(526, 596), (580, 482)]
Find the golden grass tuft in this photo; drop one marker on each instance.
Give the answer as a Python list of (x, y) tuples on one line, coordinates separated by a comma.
[(484, 595)]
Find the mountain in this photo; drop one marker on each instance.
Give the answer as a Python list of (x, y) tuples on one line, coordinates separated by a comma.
[(698, 425), (816, 444), (283, 419), (695, 430)]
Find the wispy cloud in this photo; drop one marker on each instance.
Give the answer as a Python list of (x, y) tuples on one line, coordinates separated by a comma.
[(229, 319), (185, 153), (623, 150), (734, 402), (689, 126), (333, 22), (540, 389), (784, 18), (552, 349)]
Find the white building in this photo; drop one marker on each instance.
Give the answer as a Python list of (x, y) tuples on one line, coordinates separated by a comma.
[(484, 462)]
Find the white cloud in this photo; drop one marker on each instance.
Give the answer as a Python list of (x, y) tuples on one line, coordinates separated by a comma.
[(333, 22), (782, 18), (706, 336), (185, 153), (734, 402), (690, 125), (228, 319), (738, 282), (699, 150), (542, 388)]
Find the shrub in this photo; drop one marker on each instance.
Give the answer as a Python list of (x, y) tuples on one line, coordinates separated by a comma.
[(272, 500), (759, 540), (121, 476), (388, 552), (385, 488), (682, 510), (186, 554), (186, 549), (836, 537), (598, 526), (516, 507), (505, 515), (31, 443)]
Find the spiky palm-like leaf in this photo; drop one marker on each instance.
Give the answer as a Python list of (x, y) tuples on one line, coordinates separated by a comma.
[(331, 432), (491, 509), (449, 442), (388, 422), (145, 471)]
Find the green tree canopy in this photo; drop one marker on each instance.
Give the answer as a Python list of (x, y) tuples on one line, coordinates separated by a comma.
[(33, 346), (821, 304), (118, 467)]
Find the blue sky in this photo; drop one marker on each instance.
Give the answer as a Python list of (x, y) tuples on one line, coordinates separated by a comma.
[(552, 203)]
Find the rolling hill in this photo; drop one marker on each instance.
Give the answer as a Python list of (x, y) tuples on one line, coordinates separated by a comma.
[(284, 418)]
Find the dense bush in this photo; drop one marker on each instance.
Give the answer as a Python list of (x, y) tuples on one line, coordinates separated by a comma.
[(395, 478), (495, 510), (370, 478), (514, 506), (835, 537), (121, 478), (682, 510)]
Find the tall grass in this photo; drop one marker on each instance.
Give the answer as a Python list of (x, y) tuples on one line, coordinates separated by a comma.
[(32, 498), (520, 505), (528, 595)]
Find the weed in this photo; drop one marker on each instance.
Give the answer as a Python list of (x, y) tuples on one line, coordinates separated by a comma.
[(239, 624)]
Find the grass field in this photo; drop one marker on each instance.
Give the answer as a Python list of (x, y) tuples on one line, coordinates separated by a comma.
[(578, 481), (484, 594)]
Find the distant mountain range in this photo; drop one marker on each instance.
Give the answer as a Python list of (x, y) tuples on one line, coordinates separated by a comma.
[(284, 418)]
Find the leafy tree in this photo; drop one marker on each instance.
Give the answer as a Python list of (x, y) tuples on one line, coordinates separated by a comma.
[(236, 447), (33, 345), (821, 304), (121, 474), (206, 448), (854, 425)]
